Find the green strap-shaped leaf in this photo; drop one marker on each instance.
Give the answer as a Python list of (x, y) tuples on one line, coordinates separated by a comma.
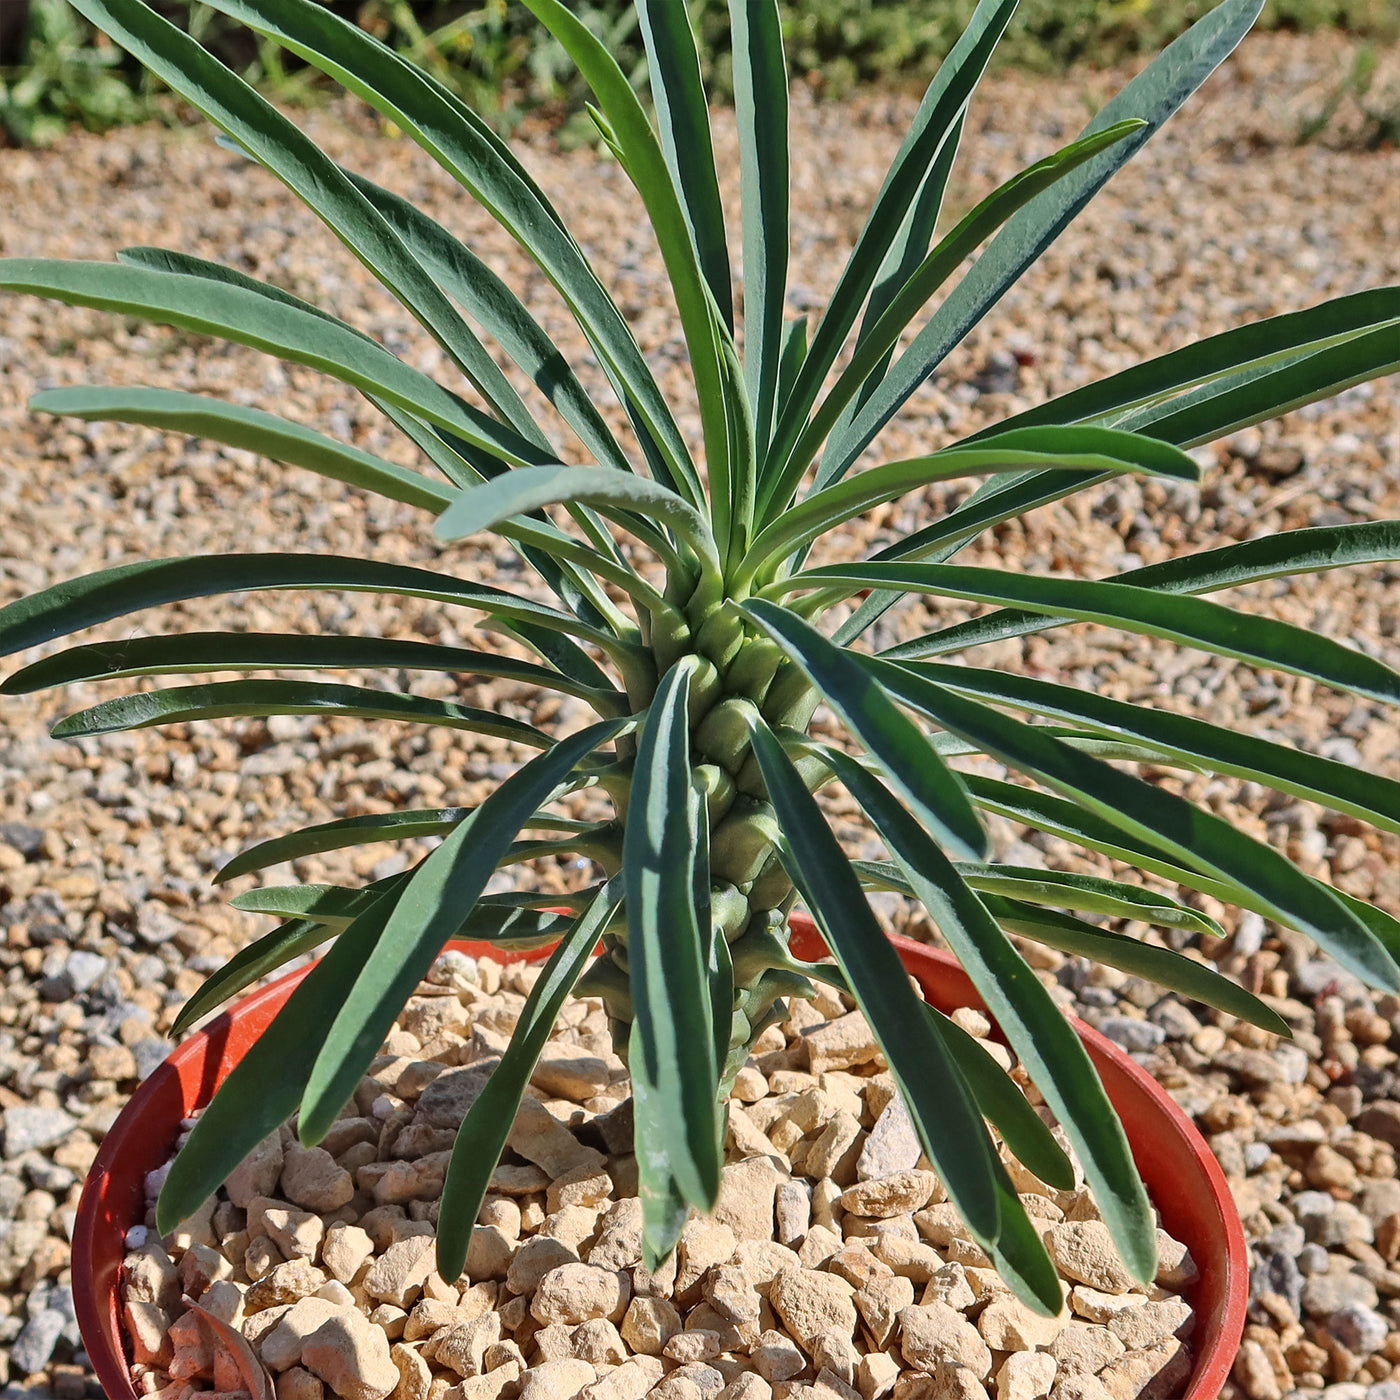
[(973, 229), (515, 493), (1198, 743), (761, 107), (487, 1125), (1032, 1023), (1305, 551), (222, 699), (262, 1089), (1258, 392), (1197, 838), (934, 1090), (93, 598), (1181, 618), (1005, 1107), (672, 1054), (646, 167), (280, 146), (487, 298), (187, 653), (466, 147), (1152, 96), (249, 965), (683, 120), (1086, 449), (251, 429), (1090, 893), (443, 891), (1272, 339), (234, 313), (939, 116), (901, 747), (375, 826)]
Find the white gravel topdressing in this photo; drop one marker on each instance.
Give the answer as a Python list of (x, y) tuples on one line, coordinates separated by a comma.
[(833, 1268)]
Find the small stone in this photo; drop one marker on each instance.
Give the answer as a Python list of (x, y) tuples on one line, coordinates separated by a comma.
[(574, 1293), (893, 1145), (839, 1044), (619, 1239), (876, 1374), (147, 1327), (1027, 1375), (556, 1380), (1007, 1324), (1084, 1347), (899, 1194), (746, 1198), (541, 1138), (281, 1347), (1159, 1373), (1083, 1250), (777, 1358), (415, 1375), (1361, 1330), (463, 1346), (704, 1243), (880, 1301), (533, 1260), (284, 1283), (810, 1303), (835, 1152), (697, 1345), (313, 1179), (649, 1324), (399, 1274), (31, 1129), (1145, 1325), (632, 1380), (345, 1249), (932, 1334), (257, 1174), (351, 1355), (297, 1233), (792, 1208), (444, 1102), (150, 1276), (1325, 1294)]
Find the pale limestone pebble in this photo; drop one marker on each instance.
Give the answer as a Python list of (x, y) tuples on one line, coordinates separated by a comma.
[(533, 1260), (415, 1375), (551, 1342), (618, 1242), (1083, 1250), (810, 1302), (556, 1380), (748, 1386), (351, 1355), (950, 1285), (942, 1383), (703, 1244), (727, 1290), (1176, 1268), (834, 1153), (826, 1195), (258, 1173), (148, 1329), (575, 1292), (676, 1387), (149, 1275), (298, 1234), (313, 1179), (776, 1357), (345, 1249), (835, 1354), (580, 1187), (879, 1302), (280, 1347), (598, 1342), (1149, 1323), (1158, 1373), (287, 1282), (876, 1374), (707, 1379), (792, 1209), (201, 1266), (1007, 1324), (260, 1257), (841, 1043), (745, 1139), (489, 1254), (762, 1261), (900, 1193), (574, 1226), (632, 1380), (1080, 1385), (430, 1315), (933, 1333), (893, 1144), (649, 1324), (748, 1191), (819, 1245), (390, 1318), (223, 1299), (397, 1276), (912, 1258), (692, 1345), (297, 1383), (565, 1072), (1084, 1347), (1025, 1375), (462, 1347), (1096, 1306), (541, 1138)]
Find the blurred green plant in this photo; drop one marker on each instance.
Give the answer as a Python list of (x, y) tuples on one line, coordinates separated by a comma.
[(67, 75), (495, 56)]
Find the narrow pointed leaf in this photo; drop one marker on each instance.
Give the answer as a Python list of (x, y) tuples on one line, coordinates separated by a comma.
[(222, 699), (1194, 836), (673, 1043), (442, 892), (899, 744), (761, 106), (483, 1133), (934, 1090), (1153, 96), (1033, 1025), (1181, 618), (683, 119)]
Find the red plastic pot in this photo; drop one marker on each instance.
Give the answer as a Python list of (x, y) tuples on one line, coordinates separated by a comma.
[(1184, 1179)]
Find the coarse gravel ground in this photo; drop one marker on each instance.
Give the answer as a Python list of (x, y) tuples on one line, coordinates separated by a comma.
[(107, 846)]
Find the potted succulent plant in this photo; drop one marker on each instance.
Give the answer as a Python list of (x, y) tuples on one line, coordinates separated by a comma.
[(689, 618)]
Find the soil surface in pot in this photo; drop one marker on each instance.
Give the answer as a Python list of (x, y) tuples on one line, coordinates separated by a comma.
[(832, 1267)]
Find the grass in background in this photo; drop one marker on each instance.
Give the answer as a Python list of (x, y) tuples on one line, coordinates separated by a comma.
[(57, 72)]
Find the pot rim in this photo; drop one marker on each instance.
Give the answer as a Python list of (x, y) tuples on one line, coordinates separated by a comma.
[(1182, 1174)]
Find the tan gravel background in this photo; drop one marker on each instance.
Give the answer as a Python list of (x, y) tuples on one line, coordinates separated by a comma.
[(1221, 219)]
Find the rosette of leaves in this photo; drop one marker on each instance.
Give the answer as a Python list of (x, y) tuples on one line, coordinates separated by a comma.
[(686, 615)]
